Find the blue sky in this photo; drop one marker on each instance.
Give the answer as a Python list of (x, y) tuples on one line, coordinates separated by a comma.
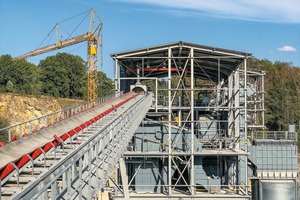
[(266, 28)]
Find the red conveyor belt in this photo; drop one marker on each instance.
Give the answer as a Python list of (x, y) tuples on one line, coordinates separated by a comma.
[(20, 152)]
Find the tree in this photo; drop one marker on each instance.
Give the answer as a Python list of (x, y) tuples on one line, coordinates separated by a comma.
[(5, 63), (105, 85), (282, 93), (63, 75), (9, 86), (3, 134), (22, 74)]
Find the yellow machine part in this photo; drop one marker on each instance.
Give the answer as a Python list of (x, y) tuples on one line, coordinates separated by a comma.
[(92, 50)]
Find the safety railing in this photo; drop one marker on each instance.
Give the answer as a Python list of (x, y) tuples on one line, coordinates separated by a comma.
[(274, 135), (84, 171), (226, 191), (14, 132)]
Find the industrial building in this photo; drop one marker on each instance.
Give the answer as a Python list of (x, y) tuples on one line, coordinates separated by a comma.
[(186, 122), (204, 136)]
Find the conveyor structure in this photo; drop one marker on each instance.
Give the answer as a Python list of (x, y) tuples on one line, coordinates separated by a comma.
[(201, 135), (72, 158)]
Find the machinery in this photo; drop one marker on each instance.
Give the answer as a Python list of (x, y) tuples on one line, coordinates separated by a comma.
[(204, 136), (93, 38), (199, 135)]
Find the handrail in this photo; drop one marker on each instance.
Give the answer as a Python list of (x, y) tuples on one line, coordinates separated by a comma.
[(99, 153), (34, 125), (275, 135)]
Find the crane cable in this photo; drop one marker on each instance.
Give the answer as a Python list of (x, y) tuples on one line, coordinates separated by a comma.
[(51, 32), (74, 16), (77, 26), (46, 37)]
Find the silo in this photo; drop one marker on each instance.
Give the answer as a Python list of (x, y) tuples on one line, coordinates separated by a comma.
[(274, 189)]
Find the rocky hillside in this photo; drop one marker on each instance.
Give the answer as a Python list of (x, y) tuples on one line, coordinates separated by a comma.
[(16, 108)]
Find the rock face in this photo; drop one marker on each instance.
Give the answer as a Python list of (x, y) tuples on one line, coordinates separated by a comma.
[(16, 108)]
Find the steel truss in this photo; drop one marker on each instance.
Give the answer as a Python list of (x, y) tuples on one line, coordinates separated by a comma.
[(82, 166), (189, 71)]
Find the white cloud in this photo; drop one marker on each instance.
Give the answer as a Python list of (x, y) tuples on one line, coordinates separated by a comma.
[(287, 11), (287, 48)]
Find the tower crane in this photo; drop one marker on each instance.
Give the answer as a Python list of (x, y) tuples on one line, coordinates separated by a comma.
[(93, 38)]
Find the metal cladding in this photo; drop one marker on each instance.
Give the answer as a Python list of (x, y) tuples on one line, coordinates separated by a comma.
[(206, 118), (199, 135), (274, 189)]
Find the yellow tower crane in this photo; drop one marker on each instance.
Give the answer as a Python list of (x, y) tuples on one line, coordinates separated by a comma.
[(93, 38)]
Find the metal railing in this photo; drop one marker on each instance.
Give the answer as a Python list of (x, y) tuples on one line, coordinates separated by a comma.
[(85, 170), (20, 130), (226, 191), (275, 135)]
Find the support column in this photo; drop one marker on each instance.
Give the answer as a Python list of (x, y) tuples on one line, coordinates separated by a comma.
[(169, 124), (192, 180), (263, 98), (230, 105), (179, 118), (156, 94), (245, 136), (117, 90), (219, 85), (124, 178), (236, 106)]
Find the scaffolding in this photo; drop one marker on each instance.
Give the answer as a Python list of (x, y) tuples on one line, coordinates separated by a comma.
[(195, 138)]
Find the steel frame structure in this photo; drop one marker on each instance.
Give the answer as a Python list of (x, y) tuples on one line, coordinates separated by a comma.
[(78, 167), (85, 170), (223, 73)]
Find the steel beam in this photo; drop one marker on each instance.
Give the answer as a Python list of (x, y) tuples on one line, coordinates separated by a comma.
[(169, 123), (84, 183)]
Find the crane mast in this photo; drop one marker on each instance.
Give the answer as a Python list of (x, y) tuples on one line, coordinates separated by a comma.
[(93, 40), (92, 66), (93, 58)]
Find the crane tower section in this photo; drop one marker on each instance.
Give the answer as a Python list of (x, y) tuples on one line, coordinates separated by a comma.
[(94, 39), (92, 66)]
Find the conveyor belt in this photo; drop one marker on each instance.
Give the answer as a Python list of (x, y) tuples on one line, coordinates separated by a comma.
[(79, 162), (23, 150)]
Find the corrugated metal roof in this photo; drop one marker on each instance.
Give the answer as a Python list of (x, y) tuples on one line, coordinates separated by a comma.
[(207, 60), (182, 44)]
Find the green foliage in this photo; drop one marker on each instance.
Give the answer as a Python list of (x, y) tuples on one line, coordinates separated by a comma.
[(105, 85), (24, 76), (3, 134), (9, 86), (282, 93), (5, 63), (21, 74), (63, 75)]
